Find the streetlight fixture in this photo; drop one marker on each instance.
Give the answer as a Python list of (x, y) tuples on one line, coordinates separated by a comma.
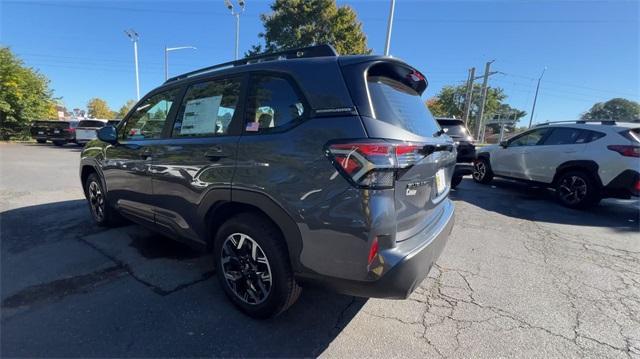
[(535, 98), (229, 6), (166, 57), (133, 35)]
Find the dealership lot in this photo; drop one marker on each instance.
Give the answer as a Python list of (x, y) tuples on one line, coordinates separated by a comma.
[(520, 276)]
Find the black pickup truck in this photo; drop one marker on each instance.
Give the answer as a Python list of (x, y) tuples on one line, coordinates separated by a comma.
[(58, 132)]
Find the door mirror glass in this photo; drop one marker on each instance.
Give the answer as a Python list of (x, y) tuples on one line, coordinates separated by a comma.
[(108, 134), (504, 144)]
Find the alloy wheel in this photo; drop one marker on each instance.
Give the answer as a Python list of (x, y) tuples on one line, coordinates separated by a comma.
[(96, 201), (479, 170), (246, 268), (572, 189)]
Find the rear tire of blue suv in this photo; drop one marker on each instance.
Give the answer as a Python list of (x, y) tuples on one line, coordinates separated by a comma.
[(577, 189), (253, 268)]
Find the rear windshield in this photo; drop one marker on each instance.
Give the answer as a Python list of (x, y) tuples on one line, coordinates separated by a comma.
[(90, 123), (633, 134), (455, 129), (400, 105)]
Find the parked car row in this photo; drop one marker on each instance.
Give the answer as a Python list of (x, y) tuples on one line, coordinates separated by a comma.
[(72, 131)]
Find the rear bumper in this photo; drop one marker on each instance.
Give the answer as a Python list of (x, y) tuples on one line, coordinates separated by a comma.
[(623, 185), (416, 256), (463, 169)]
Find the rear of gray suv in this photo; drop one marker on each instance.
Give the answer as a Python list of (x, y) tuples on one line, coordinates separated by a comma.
[(301, 167)]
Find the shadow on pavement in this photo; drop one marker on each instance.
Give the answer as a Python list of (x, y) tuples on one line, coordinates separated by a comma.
[(68, 291), (524, 201)]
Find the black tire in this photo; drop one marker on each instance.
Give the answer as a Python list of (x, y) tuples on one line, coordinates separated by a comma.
[(577, 189), (455, 181), (106, 216), (482, 172), (41, 141), (234, 264), (59, 143)]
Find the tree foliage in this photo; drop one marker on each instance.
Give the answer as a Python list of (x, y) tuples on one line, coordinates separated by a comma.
[(449, 102), (98, 108), (25, 95), (618, 109), (299, 23), (125, 109)]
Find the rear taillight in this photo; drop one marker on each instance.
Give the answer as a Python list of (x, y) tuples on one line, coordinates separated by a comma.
[(375, 164), (626, 150)]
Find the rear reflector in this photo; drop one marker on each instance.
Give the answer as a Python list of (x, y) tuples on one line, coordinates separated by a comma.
[(373, 251), (626, 150)]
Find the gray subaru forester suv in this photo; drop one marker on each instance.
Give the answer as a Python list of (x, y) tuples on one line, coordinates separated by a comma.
[(294, 167)]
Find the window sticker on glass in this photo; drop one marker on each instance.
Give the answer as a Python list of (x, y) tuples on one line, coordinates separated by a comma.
[(253, 126), (200, 115)]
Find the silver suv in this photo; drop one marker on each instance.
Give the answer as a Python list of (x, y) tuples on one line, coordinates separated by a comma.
[(294, 167)]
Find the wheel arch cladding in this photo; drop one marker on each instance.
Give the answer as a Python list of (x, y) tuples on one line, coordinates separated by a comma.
[(248, 201), (588, 166)]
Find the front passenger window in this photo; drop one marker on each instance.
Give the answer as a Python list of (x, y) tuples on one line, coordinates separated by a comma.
[(529, 139), (148, 119)]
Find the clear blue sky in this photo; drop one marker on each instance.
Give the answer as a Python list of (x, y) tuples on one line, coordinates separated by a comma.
[(591, 48)]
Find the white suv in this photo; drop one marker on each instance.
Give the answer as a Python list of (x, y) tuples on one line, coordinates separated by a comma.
[(582, 161)]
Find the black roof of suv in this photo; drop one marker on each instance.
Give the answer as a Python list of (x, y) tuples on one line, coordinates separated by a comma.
[(299, 166)]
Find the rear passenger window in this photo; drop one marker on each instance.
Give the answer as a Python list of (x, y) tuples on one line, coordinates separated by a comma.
[(208, 109), (564, 136), (272, 103), (570, 136)]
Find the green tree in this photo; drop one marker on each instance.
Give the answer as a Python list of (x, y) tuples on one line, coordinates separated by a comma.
[(299, 23), (618, 109), (25, 95), (98, 108), (449, 102), (125, 109)]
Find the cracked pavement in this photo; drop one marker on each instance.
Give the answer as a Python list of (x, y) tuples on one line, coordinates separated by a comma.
[(520, 277)]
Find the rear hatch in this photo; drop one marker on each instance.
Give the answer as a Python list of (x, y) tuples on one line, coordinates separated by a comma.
[(39, 128), (62, 129), (86, 129), (389, 101)]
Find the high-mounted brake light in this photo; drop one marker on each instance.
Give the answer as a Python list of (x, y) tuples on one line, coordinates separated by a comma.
[(626, 150), (374, 164)]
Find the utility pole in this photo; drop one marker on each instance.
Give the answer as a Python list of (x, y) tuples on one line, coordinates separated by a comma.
[(535, 98), (236, 14), (483, 100), (166, 57), (468, 95), (389, 27), (134, 38)]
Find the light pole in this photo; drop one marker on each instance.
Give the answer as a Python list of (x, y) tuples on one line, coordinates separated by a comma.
[(166, 57), (229, 5), (389, 26), (134, 38), (535, 98)]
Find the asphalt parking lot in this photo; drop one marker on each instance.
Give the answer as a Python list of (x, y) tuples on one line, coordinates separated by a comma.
[(521, 276)]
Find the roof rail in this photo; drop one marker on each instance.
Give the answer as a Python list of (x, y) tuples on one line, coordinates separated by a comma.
[(581, 122), (298, 53)]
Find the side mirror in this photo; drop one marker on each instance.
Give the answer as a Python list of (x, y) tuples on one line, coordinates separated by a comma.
[(504, 144), (108, 134)]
